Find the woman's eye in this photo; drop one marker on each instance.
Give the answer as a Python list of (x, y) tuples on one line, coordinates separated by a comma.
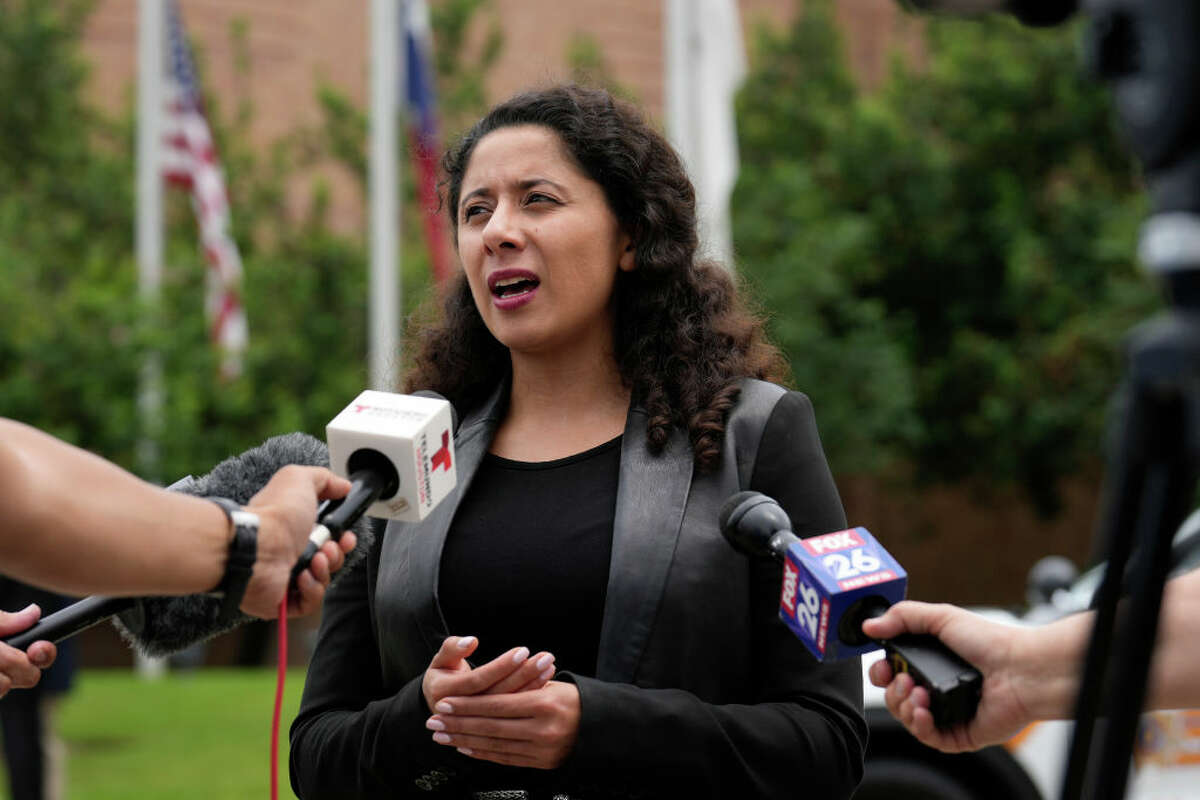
[(471, 211), (538, 197)]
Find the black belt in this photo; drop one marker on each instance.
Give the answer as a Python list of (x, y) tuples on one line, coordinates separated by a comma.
[(518, 794)]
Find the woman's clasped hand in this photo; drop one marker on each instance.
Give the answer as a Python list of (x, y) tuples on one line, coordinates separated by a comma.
[(507, 710)]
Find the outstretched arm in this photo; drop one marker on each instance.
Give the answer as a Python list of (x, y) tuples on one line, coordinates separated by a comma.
[(1030, 673), (79, 524)]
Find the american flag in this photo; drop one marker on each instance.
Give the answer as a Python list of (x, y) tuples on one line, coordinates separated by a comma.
[(421, 103), (190, 161)]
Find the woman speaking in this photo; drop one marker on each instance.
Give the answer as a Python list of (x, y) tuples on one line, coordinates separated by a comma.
[(570, 622)]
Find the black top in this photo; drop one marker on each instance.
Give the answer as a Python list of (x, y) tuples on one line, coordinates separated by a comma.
[(526, 559)]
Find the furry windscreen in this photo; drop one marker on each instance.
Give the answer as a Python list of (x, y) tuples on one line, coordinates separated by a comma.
[(159, 626)]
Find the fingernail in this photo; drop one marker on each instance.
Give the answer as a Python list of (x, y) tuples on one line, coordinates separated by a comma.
[(545, 676), (435, 724), (442, 738), (443, 707), (464, 642), (26, 608), (521, 654), (40, 660), (545, 661), (466, 751)]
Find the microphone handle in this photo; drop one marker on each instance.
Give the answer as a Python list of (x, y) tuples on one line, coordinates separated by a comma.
[(71, 620), (336, 516), (954, 685)]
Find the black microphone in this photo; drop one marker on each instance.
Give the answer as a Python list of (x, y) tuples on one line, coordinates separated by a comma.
[(832, 584), (1038, 13), (75, 618), (163, 625)]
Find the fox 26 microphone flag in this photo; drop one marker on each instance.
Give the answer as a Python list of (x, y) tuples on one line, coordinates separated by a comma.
[(420, 102), (189, 159)]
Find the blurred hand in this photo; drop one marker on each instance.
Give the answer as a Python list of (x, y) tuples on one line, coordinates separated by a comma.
[(287, 510), (22, 670)]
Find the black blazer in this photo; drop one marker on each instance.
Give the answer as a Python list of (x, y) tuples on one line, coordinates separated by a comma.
[(700, 690)]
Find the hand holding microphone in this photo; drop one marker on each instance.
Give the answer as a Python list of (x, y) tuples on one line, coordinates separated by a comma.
[(832, 584), (397, 450), (20, 670), (1020, 685), (286, 507)]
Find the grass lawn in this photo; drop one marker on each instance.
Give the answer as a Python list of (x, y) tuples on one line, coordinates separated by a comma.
[(204, 734)]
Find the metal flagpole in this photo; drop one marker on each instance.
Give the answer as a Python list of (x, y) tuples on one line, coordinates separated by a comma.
[(149, 223), (383, 344), (149, 237)]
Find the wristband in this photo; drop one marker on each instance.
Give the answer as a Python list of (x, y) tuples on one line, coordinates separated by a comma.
[(243, 551)]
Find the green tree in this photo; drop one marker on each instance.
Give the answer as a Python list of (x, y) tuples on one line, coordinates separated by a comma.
[(948, 258)]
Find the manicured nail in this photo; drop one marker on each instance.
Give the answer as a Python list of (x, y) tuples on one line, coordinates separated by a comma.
[(442, 738), (443, 707), (545, 661), (466, 751), (464, 642), (545, 676), (435, 724), (521, 654)]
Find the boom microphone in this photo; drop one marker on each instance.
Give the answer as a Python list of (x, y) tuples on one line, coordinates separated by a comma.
[(159, 626), (832, 584)]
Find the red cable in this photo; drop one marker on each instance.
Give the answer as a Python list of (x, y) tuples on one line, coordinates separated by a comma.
[(279, 679)]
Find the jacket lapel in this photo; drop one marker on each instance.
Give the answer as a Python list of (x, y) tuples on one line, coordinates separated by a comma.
[(652, 493), (412, 553)]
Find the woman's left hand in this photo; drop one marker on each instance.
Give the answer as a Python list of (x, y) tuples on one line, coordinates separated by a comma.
[(526, 729)]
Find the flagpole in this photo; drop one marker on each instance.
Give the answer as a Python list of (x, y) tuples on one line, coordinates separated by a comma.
[(384, 298), (149, 242), (705, 63), (149, 232)]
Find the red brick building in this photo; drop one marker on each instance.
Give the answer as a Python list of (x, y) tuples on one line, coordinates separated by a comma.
[(295, 46)]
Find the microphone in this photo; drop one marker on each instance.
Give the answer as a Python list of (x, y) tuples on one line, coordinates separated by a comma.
[(162, 625), (831, 584), (1038, 13), (397, 450), (75, 618)]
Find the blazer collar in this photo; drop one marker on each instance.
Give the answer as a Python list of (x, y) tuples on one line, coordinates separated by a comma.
[(652, 493), (411, 560)]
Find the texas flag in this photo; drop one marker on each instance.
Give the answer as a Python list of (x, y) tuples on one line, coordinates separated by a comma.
[(420, 102)]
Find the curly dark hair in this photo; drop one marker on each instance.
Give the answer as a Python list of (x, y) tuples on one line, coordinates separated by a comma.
[(684, 335)]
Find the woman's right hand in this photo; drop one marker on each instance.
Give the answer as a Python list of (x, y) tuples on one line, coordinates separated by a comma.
[(514, 671)]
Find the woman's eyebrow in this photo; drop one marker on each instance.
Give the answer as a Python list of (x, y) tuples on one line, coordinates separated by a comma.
[(523, 184)]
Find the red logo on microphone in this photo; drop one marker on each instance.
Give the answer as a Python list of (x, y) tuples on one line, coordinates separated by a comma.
[(442, 457)]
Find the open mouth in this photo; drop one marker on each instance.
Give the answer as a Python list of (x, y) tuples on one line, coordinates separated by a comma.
[(512, 285)]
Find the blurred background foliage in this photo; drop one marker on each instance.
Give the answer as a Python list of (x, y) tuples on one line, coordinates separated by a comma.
[(947, 257), (73, 334)]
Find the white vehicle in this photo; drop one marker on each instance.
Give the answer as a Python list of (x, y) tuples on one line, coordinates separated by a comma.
[(1030, 765)]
